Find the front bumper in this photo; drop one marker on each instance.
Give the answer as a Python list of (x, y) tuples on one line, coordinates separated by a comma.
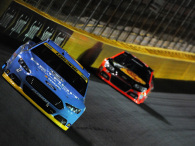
[(19, 89), (105, 75)]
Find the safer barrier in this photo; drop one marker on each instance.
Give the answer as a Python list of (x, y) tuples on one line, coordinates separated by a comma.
[(23, 22)]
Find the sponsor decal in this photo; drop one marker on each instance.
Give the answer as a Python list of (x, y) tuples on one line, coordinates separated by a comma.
[(77, 62), (55, 79), (18, 70), (42, 68), (56, 75), (133, 75), (57, 103), (37, 93), (58, 86), (50, 85)]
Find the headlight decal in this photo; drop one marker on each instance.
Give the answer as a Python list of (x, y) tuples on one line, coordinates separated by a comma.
[(73, 109), (140, 88), (109, 66), (23, 64)]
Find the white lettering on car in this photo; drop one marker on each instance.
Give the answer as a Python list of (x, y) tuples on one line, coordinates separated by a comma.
[(19, 70), (37, 93), (55, 79)]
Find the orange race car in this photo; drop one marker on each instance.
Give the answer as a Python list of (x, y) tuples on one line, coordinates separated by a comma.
[(128, 75)]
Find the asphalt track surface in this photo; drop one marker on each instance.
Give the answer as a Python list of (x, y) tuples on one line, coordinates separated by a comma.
[(166, 118)]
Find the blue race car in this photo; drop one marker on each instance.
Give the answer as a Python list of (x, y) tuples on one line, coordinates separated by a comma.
[(50, 79)]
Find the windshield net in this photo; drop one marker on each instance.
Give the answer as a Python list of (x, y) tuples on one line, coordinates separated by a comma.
[(62, 68)]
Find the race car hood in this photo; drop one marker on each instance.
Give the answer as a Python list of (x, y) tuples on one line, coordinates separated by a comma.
[(127, 75), (132, 75), (53, 81)]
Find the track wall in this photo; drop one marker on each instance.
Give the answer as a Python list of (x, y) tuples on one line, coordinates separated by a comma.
[(23, 22)]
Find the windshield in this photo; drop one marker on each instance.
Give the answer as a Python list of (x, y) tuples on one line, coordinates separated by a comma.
[(61, 67), (134, 65)]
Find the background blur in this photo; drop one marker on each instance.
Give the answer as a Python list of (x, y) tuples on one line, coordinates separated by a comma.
[(158, 32), (160, 23)]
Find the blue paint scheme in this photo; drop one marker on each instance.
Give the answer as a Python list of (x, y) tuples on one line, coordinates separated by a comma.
[(43, 72)]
